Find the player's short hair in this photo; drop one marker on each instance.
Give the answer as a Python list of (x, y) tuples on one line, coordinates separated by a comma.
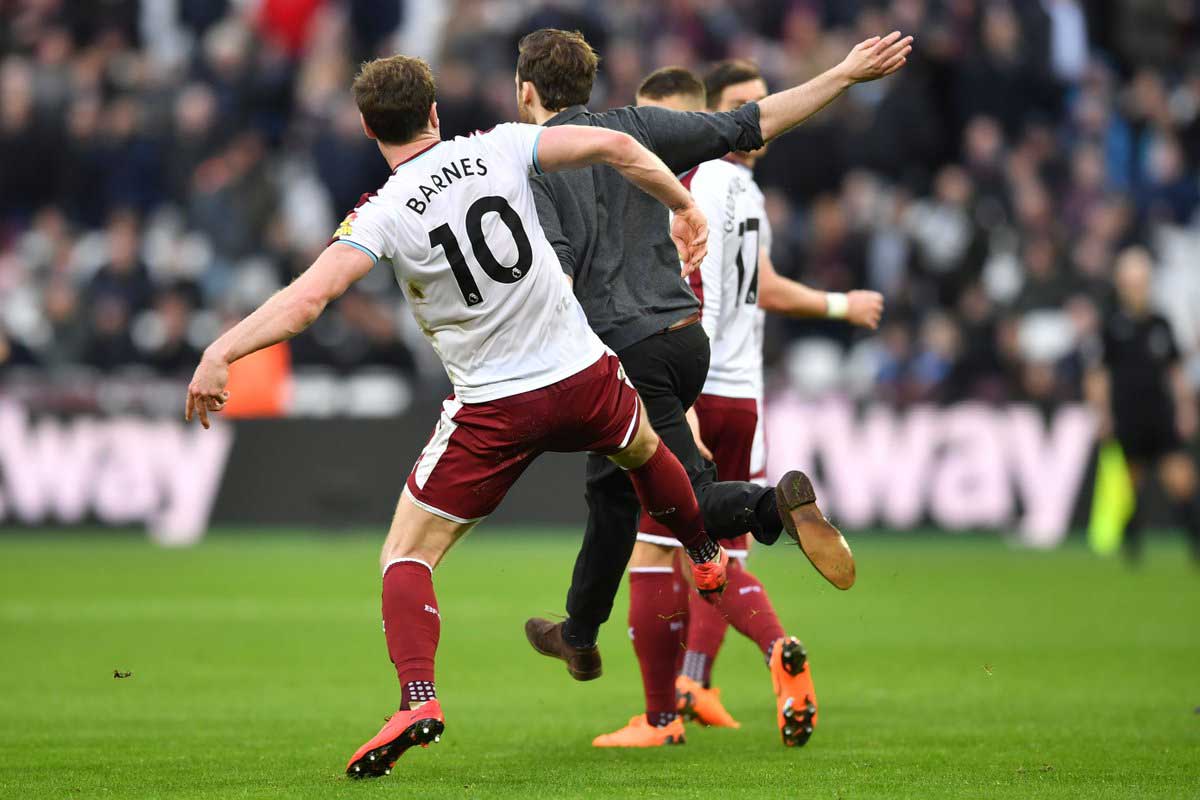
[(394, 95), (724, 74), (671, 82), (561, 65)]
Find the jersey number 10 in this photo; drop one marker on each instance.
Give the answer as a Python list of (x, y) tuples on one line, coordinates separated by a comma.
[(442, 236)]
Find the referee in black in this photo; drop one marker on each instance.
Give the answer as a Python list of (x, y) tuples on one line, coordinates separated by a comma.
[(613, 243), (1141, 394)]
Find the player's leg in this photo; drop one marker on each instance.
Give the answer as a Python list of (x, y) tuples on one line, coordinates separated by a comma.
[(417, 541), (613, 506), (666, 494), (731, 508), (657, 621), (613, 510), (607, 544), (1177, 473), (474, 456)]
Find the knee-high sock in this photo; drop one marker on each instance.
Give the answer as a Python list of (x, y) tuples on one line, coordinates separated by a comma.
[(666, 494), (657, 618), (706, 631), (412, 626), (748, 609)]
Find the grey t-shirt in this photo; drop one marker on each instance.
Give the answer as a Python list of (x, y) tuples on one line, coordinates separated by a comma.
[(612, 238)]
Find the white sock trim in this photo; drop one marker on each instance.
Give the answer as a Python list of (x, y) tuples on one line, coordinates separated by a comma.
[(422, 562), (665, 541), (667, 570)]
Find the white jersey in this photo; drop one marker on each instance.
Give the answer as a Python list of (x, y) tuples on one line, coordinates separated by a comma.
[(458, 222), (726, 284)]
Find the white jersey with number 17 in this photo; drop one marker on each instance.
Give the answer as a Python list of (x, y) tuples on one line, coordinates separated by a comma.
[(727, 282), (458, 222)]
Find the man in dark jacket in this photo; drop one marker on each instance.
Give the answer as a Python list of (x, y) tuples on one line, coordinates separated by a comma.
[(648, 314)]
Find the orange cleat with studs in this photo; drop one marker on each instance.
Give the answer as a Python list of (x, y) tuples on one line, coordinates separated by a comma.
[(702, 705), (795, 697), (404, 729), (640, 733)]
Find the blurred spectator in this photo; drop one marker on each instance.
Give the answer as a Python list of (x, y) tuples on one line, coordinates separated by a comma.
[(163, 166)]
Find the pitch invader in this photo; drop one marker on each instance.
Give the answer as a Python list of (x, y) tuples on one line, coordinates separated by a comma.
[(458, 222), (735, 284)]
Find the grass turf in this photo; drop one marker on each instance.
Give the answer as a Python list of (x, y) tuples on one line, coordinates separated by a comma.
[(956, 668)]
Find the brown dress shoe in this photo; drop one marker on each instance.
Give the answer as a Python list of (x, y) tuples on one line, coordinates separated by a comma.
[(804, 522), (547, 638)]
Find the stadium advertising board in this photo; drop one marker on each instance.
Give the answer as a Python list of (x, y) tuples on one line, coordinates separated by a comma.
[(114, 471), (965, 466), (960, 467)]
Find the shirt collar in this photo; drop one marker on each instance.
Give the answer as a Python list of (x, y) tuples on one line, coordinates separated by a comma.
[(565, 116)]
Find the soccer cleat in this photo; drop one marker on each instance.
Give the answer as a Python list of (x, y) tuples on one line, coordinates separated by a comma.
[(403, 729), (821, 542), (640, 733), (547, 638), (795, 697), (710, 576), (702, 705)]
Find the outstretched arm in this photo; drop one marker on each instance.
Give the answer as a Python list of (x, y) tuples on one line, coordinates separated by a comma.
[(870, 60), (288, 312), (780, 295), (572, 146)]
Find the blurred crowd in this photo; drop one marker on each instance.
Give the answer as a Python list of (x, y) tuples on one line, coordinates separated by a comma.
[(165, 166)]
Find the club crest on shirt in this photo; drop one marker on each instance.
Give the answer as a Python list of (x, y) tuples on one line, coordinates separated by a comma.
[(346, 228)]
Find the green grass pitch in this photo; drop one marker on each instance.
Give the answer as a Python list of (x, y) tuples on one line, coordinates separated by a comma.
[(957, 667)]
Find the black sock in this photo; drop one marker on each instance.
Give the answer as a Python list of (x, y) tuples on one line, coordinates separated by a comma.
[(660, 719), (704, 553), (578, 634), (766, 511)]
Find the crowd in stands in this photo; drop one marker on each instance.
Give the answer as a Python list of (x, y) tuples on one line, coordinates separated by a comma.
[(165, 166)]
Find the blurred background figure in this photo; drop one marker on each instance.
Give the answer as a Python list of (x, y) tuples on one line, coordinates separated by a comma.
[(986, 190), (1142, 397)]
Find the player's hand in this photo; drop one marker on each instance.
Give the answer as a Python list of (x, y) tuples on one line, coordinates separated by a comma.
[(865, 309), (207, 392), (689, 231), (693, 421), (875, 58)]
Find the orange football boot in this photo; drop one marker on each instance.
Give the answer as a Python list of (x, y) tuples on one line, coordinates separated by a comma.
[(795, 697), (702, 705), (710, 576), (403, 730), (640, 733)]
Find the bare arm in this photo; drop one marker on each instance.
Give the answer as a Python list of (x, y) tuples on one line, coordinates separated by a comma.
[(288, 312), (780, 295), (870, 60), (573, 146)]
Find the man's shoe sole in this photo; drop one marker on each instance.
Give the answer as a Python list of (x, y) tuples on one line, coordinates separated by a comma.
[(377, 762), (821, 542), (532, 635), (797, 720)]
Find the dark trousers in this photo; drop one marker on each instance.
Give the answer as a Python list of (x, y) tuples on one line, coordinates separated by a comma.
[(668, 370)]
